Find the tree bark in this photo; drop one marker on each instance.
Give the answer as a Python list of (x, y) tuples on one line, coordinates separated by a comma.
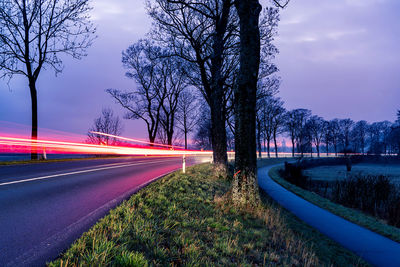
[(34, 136), (218, 117), (218, 137), (245, 189)]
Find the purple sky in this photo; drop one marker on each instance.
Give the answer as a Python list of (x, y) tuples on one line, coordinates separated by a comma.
[(338, 58)]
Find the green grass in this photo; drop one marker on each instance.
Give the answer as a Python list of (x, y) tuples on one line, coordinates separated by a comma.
[(352, 215), (187, 219)]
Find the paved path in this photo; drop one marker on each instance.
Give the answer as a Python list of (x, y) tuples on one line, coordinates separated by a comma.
[(374, 248)]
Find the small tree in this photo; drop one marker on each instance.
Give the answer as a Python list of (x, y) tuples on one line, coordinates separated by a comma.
[(107, 123), (316, 125), (187, 114), (334, 133), (359, 134), (34, 33)]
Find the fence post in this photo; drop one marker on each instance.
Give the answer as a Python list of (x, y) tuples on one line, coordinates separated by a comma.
[(44, 153), (184, 164)]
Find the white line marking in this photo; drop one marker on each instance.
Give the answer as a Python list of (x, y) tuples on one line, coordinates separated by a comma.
[(77, 172)]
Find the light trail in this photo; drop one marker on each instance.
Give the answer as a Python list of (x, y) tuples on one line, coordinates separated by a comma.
[(12, 144), (134, 140)]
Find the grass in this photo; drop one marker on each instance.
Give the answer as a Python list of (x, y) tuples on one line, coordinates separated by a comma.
[(352, 215), (333, 173), (187, 219)]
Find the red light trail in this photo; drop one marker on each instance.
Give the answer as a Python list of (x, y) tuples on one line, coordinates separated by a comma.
[(10, 144), (134, 140)]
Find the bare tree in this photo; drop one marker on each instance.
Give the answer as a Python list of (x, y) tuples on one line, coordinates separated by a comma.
[(316, 125), (295, 126), (278, 123), (34, 33), (106, 123), (360, 134), (268, 119), (291, 128), (345, 128), (173, 82), (245, 187), (327, 137), (334, 129), (202, 34), (187, 114), (142, 60)]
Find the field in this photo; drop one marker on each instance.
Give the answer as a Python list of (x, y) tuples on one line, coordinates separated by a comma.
[(333, 173)]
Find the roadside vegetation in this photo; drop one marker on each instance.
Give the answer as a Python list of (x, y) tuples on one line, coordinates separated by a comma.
[(371, 201), (189, 219)]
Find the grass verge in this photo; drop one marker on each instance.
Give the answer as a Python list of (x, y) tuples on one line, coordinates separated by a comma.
[(352, 215), (185, 219)]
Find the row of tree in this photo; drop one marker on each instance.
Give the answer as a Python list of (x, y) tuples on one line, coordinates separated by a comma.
[(223, 49), (310, 133)]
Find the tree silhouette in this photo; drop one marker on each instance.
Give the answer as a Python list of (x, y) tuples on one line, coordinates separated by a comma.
[(34, 33), (106, 123)]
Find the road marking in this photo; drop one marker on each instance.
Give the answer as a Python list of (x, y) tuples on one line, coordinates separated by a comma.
[(77, 172)]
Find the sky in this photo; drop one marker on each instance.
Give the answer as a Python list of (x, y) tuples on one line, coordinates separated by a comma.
[(339, 58)]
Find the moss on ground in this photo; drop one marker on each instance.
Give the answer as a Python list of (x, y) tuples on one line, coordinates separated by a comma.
[(187, 220)]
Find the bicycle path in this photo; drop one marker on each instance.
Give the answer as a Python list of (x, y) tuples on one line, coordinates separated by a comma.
[(374, 248)]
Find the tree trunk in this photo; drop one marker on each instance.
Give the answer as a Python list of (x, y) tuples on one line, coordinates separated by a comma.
[(34, 149), (259, 138), (186, 139), (216, 99), (292, 148), (245, 189), (218, 137), (265, 146), (276, 145), (268, 147)]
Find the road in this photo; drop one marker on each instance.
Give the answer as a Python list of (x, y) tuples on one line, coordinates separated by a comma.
[(44, 207)]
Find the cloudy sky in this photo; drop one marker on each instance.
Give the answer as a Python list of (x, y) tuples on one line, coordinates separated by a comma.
[(338, 58)]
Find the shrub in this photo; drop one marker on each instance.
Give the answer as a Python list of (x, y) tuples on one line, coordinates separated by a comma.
[(373, 194), (293, 173)]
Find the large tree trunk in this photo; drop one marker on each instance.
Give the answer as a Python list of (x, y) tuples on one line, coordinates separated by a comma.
[(218, 137), (245, 189), (218, 117), (34, 149)]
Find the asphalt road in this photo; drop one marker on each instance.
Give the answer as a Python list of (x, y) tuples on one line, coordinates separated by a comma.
[(45, 207)]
